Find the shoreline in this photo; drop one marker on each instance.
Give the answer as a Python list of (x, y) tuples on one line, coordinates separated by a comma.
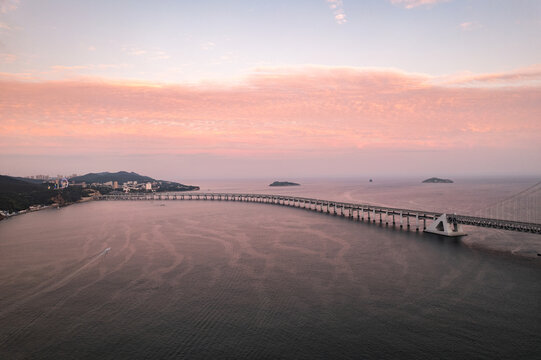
[(35, 208)]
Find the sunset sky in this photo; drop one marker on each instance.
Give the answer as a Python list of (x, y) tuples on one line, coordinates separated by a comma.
[(258, 88)]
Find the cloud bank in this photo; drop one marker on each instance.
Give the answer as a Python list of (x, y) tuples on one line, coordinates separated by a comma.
[(410, 4), (298, 112)]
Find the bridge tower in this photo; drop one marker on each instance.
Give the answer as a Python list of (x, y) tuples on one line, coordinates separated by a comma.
[(444, 226)]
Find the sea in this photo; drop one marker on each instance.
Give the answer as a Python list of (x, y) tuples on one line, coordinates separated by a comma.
[(232, 280)]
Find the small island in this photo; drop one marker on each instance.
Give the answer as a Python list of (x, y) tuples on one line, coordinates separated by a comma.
[(435, 180), (284, 183)]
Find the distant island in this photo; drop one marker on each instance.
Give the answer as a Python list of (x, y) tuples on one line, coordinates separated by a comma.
[(284, 183), (19, 195), (435, 180)]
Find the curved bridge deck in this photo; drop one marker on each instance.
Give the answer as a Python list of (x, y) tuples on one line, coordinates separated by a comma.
[(396, 216)]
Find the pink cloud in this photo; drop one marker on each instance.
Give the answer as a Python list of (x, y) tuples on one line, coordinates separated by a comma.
[(525, 76), (338, 9), (288, 111), (410, 4), (8, 5), (470, 25), (7, 58)]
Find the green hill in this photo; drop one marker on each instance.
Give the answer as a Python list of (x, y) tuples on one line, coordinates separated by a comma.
[(10, 184), (16, 195), (121, 177)]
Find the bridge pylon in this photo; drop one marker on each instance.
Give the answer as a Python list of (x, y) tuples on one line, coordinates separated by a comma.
[(443, 226)]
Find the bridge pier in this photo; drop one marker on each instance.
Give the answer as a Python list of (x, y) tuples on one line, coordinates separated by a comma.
[(408, 220)]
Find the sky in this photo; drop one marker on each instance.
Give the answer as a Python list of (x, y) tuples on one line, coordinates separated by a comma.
[(279, 89)]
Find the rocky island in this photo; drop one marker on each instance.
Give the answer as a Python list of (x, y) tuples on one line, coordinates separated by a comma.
[(435, 180), (284, 183)]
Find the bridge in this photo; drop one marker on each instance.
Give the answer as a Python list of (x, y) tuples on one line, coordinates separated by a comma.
[(439, 223)]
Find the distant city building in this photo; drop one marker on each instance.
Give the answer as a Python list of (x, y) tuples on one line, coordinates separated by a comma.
[(148, 186), (115, 184), (108, 183)]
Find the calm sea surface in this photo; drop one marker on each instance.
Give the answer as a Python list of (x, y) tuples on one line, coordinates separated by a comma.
[(195, 279)]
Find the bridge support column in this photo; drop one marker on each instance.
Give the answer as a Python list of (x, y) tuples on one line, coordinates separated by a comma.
[(374, 214), (424, 223), (386, 217), (401, 220), (380, 220), (368, 213), (408, 220), (335, 209), (416, 222)]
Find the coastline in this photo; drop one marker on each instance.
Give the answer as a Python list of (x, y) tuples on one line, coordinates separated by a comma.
[(34, 208)]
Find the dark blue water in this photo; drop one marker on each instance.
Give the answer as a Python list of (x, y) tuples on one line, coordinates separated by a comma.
[(242, 280)]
